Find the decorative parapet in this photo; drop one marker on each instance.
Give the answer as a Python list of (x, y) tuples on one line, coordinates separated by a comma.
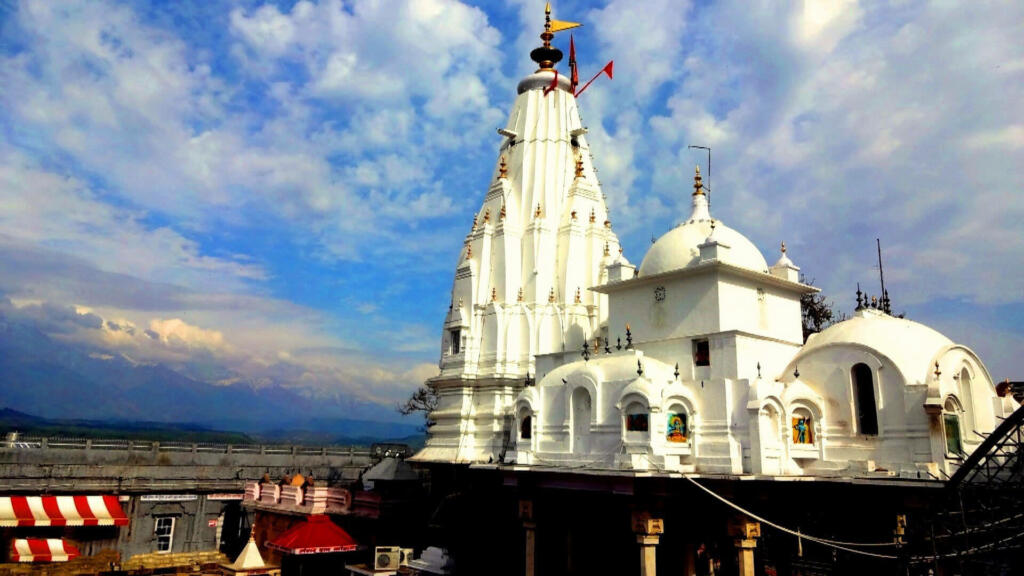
[(298, 499)]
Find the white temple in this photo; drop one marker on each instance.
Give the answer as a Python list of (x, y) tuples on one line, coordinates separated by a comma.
[(695, 362)]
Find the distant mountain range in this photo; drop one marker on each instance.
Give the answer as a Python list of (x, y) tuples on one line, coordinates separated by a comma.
[(51, 380)]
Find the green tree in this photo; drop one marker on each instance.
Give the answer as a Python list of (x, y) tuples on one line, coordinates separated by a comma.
[(817, 312)]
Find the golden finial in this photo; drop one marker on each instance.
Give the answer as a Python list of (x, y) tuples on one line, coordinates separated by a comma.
[(573, 214), (469, 250), (577, 294), (547, 35), (503, 169), (519, 298), (937, 372), (475, 215), (593, 216), (783, 247), (579, 167), (536, 213), (494, 294), (487, 215), (608, 224), (546, 56), (698, 186), (551, 295), (502, 213), (620, 250), (607, 251)]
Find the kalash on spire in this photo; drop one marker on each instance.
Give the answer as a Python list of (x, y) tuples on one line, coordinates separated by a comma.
[(542, 236)]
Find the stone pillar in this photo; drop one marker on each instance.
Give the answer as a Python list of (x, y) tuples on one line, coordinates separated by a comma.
[(530, 528), (745, 549), (648, 553), (746, 534), (648, 534)]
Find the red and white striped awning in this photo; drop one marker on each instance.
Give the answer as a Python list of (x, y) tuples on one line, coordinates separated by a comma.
[(61, 511), (42, 550)]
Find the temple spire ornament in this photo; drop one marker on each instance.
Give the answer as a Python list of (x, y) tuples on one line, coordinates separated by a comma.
[(503, 169)]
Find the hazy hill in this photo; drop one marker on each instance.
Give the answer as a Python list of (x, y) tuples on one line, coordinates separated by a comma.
[(55, 380)]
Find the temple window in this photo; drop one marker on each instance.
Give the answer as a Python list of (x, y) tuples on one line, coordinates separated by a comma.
[(802, 426), (526, 428), (701, 353), (455, 339), (677, 428), (951, 426), (864, 399), (637, 418)]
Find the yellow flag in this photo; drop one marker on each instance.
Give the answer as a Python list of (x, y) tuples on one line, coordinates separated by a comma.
[(559, 25)]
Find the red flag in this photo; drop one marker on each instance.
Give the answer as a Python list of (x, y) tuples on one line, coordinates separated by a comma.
[(606, 70), (554, 84), (575, 78)]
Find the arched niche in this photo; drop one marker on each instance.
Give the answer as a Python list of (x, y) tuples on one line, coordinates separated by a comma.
[(581, 417)]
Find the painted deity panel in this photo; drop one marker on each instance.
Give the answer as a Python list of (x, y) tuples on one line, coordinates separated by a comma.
[(677, 430), (803, 432)]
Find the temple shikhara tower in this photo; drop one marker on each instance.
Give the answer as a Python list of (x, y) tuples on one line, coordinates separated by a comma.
[(541, 240)]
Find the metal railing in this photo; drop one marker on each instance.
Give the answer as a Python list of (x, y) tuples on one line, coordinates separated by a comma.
[(117, 444)]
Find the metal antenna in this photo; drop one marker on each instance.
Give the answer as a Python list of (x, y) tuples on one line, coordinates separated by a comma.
[(708, 187), (881, 274)]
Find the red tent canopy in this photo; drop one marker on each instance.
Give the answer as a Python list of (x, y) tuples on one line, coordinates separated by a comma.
[(61, 511), (317, 535), (42, 550)]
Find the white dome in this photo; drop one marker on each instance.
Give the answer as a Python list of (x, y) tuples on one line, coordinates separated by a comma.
[(911, 346), (679, 248)]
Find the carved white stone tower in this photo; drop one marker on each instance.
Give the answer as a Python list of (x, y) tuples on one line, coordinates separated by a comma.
[(541, 238)]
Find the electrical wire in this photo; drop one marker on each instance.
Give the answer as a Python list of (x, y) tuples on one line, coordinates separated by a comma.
[(837, 544)]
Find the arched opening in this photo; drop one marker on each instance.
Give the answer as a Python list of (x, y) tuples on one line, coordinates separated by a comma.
[(966, 392), (864, 399), (951, 426), (638, 423), (581, 411), (526, 427)]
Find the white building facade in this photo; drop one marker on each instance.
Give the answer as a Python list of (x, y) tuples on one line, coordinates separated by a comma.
[(694, 362)]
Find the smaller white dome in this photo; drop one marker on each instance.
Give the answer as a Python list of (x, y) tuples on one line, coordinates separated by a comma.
[(680, 247)]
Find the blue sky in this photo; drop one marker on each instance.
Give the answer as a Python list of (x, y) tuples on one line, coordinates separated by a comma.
[(269, 193)]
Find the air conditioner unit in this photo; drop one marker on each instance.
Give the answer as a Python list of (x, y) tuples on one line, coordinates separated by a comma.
[(406, 556), (387, 558)]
